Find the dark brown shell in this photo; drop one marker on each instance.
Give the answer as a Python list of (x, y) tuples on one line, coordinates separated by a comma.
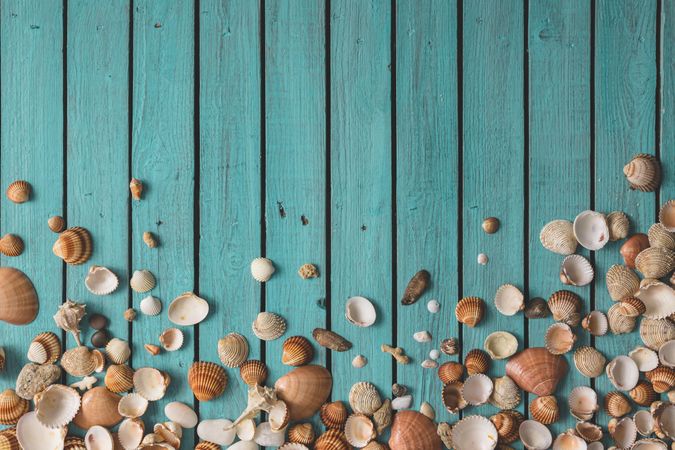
[(297, 351), (331, 340), (537, 308), (416, 287)]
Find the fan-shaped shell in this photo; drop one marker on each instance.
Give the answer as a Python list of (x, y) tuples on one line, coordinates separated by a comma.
[(304, 389), (11, 245), (631, 307), (643, 393), (618, 322), (118, 351), (18, 299), (596, 323), (359, 430), (364, 398), (667, 215), (450, 371), (32, 435), (662, 378), (476, 361), (233, 350), (558, 237), (119, 378), (151, 306), (474, 432), (509, 300), (150, 383), (666, 420), (142, 281), (623, 373), (101, 280), (505, 394), (649, 444), (18, 191), (278, 416), (616, 404), (618, 225), (644, 422), (360, 311), (470, 311), (269, 326), (590, 229), (660, 237), (658, 298), (253, 372), (414, 431), (45, 348), (74, 246), (218, 431), (655, 262), (507, 424), (57, 405), (56, 223), (74, 443), (667, 353), (500, 345), (559, 338), (624, 433), (12, 407), (80, 361), (536, 370), (565, 307), (297, 351), (130, 433), (621, 282), (477, 389), (359, 361), (534, 435), (332, 440), (334, 415), (568, 441), (632, 247), (655, 332), (452, 398), (207, 380), (545, 409), (643, 172), (589, 361), (302, 433), (98, 407), (576, 271), (262, 269), (132, 405), (171, 339), (188, 309)]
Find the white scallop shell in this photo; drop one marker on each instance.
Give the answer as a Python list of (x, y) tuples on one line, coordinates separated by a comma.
[(534, 435), (624, 433), (101, 280), (266, 437), (583, 402), (590, 229), (142, 281), (118, 351), (268, 326), (477, 389), (576, 270), (359, 430), (645, 358), (422, 336), (171, 339), (500, 345), (32, 435), (509, 300), (150, 383), (98, 438), (151, 306), (558, 237), (181, 414), (262, 269), (130, 433), (37, 353), (57, 405), (132, 405), (475, 433), (623, 373), (644, 422), (188, 309), (569, 441), (360, 311), (218, 431), (658, 298)]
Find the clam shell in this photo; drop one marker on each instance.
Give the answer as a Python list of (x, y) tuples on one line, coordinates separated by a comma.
[(302, 433), (333, 415), (253, 372), (11, 245), (534, 435), (118, 351), (278, 416), (98, 438), (667, 215), (500, 345), (359, 361), (18, 299), (188, 309), (74, 246), (616, 404), (643, 172), (233, 350), (507, 424), (643, 393), (364, 398), (591, 230), (34, 378), (32, 435), (12, 407), (262, 269), (207, 380), (509, 300), (644, 422), (171, 339), (654, 262), (132, 405), (470, 311), (360, 311), (505, 394), (218, 431), (474, 432), (450, 371), (621, 282), (576, 271), (558, 237), (452, 398), (181, 414), (297, 351), (667, 353), (658, 298), (565, 306), (414, 431), (545, 409), (618, 322), (304, 389), (536, 370), (618, 225), (45, 348), (119, 378), (589, 432), (269, 326), (655, 332), (416, 287), (625, 433), (151, 306), (130, 433), (142, 281), (662, 379), (589, 361), (101, 280), (266, 437), (18, 191), (596, 323), (331, 340), (359, 430), (56, 223), (150, 383), (632, 247), (568, 441), (623, 373), (660, 237), (98, 407), (477, 389), (80, 361), (476, 361), (559, 339), (57, 405)]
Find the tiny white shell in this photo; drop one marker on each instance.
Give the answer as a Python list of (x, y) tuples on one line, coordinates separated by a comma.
[(429, 364), (101, 280), (151, 306), (98, 438), (182, 414), (118, 351), (624, 433), (188, 309), (37, 353), (171, 340), (402, 402), (359, 430), (576, 271), (262, 269), (422, 336), (645, 358), (482, 259), (32, 435), (434, 354), (433, 306), (360, 311), (509, 300), (142, 281), (359, 361), (218, 431), (535, 435)]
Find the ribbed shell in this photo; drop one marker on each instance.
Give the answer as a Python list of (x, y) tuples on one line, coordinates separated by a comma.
[(207, 380), (74, 246), (74, 443), (233, 350), (269, 326), (558, 237), (660, 237), (536, 370), (632, 307), (297, 351), (332, 439), (119, 378), (618, 225), (334, 415), (507, 424), (79, 361), (302, 433), (206, 445), (470, 311), (565, 306), (118, 351), (56, 223), (643, 394), (413, 431), (505, 394), (11, 245), (589, 361), (643, 172), (18, 191), (619, 323), (253, 372), (589, 432), (545, 409), (621, 282), (8, 441), (450, 346), (655, 332), (12, 407), (50, 343), (450, 371), (142, 281), (667, 215), (662, 378), (476, 361), (364, 398), (359, 430), (559, 338), (655, 262), (18, 299), (616, 404)]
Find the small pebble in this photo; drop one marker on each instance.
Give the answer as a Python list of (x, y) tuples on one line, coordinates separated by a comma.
[(434, 354), (429, 364), (399, 390), (98, 321), (422, 336), (130, 314), (433, 306), (402, 402), (491, 225), (100, 339), (482, 259)]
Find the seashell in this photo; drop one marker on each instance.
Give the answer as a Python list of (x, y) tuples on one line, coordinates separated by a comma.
[(398, 390), (414, 431), (233, 350), (244, 445), (658, 299), (297, 351), (171, 339), (470, 311), (565, 307), (476, 361), (118, 351), (80, 361), (11, 245), (262, 269), (667, 353), (452, 398), (359, 361), (218, 431), (545, 409), (568, 441), (643, 393), (660, 237), (57, 405), (34, 378), (302, 433), (477, 389), (589, 361), (623, 373), (136, 188), (509, 300), (32, 435), (500, 345), (98, 407), (490, 225), (18, 299), (45, 348), (359, 430), (12, 407), (450, 371), (662, 379), (583, 402), (558, 237), (482, 259), (655, 262), (207, 380), (101, 280), (416, 287), (616, 404), (382, 417), (631, 307), (536, 370), (625, 433), (505, 394), (618, 225), (589, 432), (130, 433), (99, 438), (364, 398), (591, 230), (596, 323), (18, 191), (188, 309), (507, 423), (621, 282), (150, 383), (666, 420), (402, 402), (667, 215), (422, 336), (304, 389), (644, 422), (331, 340), (534, 435), (618, 322), (576, 271), (150, 239), (331, 440), (360, 311), (433, 306), (643, 172), (253, 372), (132, 405), (429, 364), (269, 326), (181, 414), (656, 332), (74, 246), (474, 432), (74, 443), (151, 306), (56, 223), (129, 314), (142, 281), (559, 339), (537, 308), (632, 247), (450, 346), (119, 378), (333, 415), (428, 410)]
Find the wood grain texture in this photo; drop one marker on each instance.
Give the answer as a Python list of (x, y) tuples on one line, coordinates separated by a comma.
[(230, 184), (31, 148), (625, 87), (426, 184), (668, 98), (163, 158), (493, 165), (559, 93)]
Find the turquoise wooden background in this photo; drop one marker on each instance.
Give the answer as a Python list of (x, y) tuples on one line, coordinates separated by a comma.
[(368, 137)]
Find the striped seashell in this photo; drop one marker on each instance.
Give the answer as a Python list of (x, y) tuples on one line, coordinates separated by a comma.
[(621, 282), (559, 338), (269, 326), (374, 445), (302, 433), (632, 247), (660, 237), (332, 439), (589, 432), (297, 351), (253, 372), (450, 371), (655, 262), (12, 407), (207, 380), (233, 350), (11, 245), (667, 215), (79, 361), (9, 441), (507, 424), (206, 445), (119, 378), (364, 398), (118, 351), (470, 311), (476, 361), (619, 323), (545, 409), (616, 404), (150, 306), (565, 306), (18, 191), (452, 398), (57, 405), (74, 245), (262, 269), (643, 393), (74, 443), (618, 224), (333, 415), (643, 172), (589, 361), (45, 348), (656, 332), (662, 379), (142, 281), (171, 339), (558, 237), (632, 307), (56, 223), (505, 394)]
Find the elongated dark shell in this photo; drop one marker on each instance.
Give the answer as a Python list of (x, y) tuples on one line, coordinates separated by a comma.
[(537, 308), (416, 287), (331, 340)]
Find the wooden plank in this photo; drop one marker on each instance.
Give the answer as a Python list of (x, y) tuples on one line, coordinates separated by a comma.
[(493, 164), (668, 97), (625, 82), (31, 148), (559, 93), (163, 157), (230, 183), (426, 183), (361, 185)]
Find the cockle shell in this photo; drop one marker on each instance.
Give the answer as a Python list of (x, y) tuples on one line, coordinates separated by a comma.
[(559, 338), (74, 443), (589, 432), (34, 378), (118, 351), (632, 307), (658, 298), (56, 223), (621, 282), (450, 371), (181, 414), (360, 311), (576, 271), (150, 383), (618, 322), (416, 287), (414, 431), (643, 172), (500, 345), (505, 394), (558, 237), (474, 432), (545, 409), (278, 416), (81, 361), (632, 247), (171, 339), (644, 422), (45, 348), (655, 332), (616, 404), (233, 350), (12, 407), (57, 405), (132, 405), (476, 361), (470, 311), (643, 393), (188, 309), (665, 416), (74, 246), (262, 269), (98, 407), (477, 389), (359, 430), (364, 398), (101, 280), (151, 306), (624, 433), (660, 237), (130, 433), (444, 431), (218, 431), (568, 441), (451, 396), (596, 323), (589, 361), (667, 215), (507, 424), (304, 389), (331, 340), (32, 435), (591, 230), (207, 380), (302, 433), (269, 326), (297, 351), (18, 191), (297, 446), (662, 379), (623, 373), (119, 378), (253, 372), (331, 440), (565, 307), (618, 224), (11, 245), (655, 262), (536, 370), (534, 435), (333, 415), (509, 300), (18, 299), (99, 438), (142, 281)]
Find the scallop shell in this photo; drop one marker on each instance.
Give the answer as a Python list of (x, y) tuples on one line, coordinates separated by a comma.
[(150, 383), (18, 299), (74, 246), (534, 435), (57, 405), (500, 345), (589, 432), (11, 245), (269, 326), (142, 281), (18, 191), (98, 407), (618, 224), (655, 332), (545, 409), (56, 223), (616, 404), (302, 433), (558, 237), (569, 441), (589, 361), (625, 433), (253, 372), (278, 416), (118, 351), (591, 230), (667, 215), (233, 350), (101, 280), (45, 348), (509, 300), (632, 247), (654, 262), (505, 394), (32, 435), (130, 433), (132, 405), (414, 431), (359, 361), (359, 430), (596, 323), (74, 443), (470, 311), (119, 378), (181, 414), (623, 373), (331, 440), (643, 393), (667, 353), (364, 398), (644, 422), (660, 237), (662, 379), (565, 307), (452, 398), (360, 311), (621, 282), (297, 351), (416, 287), (450, 371), (643, 172), (80, 361), (12, 407), (262, 269), (171, 339), (536, 370), (188, 309), (559, 339), (218, 431), (477, 389), (474, 432), (576, 271), (507, 424), (658, 298), (207, 380), (666, 420), (476, 361), (618, 322), (333, 415), (304, 389), (632, 307), (151, 306)]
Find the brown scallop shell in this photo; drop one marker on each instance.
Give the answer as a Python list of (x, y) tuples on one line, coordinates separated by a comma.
[(18, 299), (662, 378), (205, 445), (119, 378), (618, 224), (51, 344), (12, 407), (18, 191), (297, 351), (643, 393), (56, 223), (470, 311), (643, 172), (450, 371), (616, 404), (332, 439), (476, 361), (302, 433), (413, 431), (655, 262), (507, 424), (536, 370), (589, 361), (9, 441), (632, 247), (632, 307), (99, 407), (565, 306), (656, 332), (545, 409), (659, 236), (304, 389), (80, 361), (416, 287), (253, 372), (334, 415), (207, 380), (11, 245), (74, 246)]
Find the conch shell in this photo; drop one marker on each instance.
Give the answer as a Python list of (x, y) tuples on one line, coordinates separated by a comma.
[(68, 318)]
